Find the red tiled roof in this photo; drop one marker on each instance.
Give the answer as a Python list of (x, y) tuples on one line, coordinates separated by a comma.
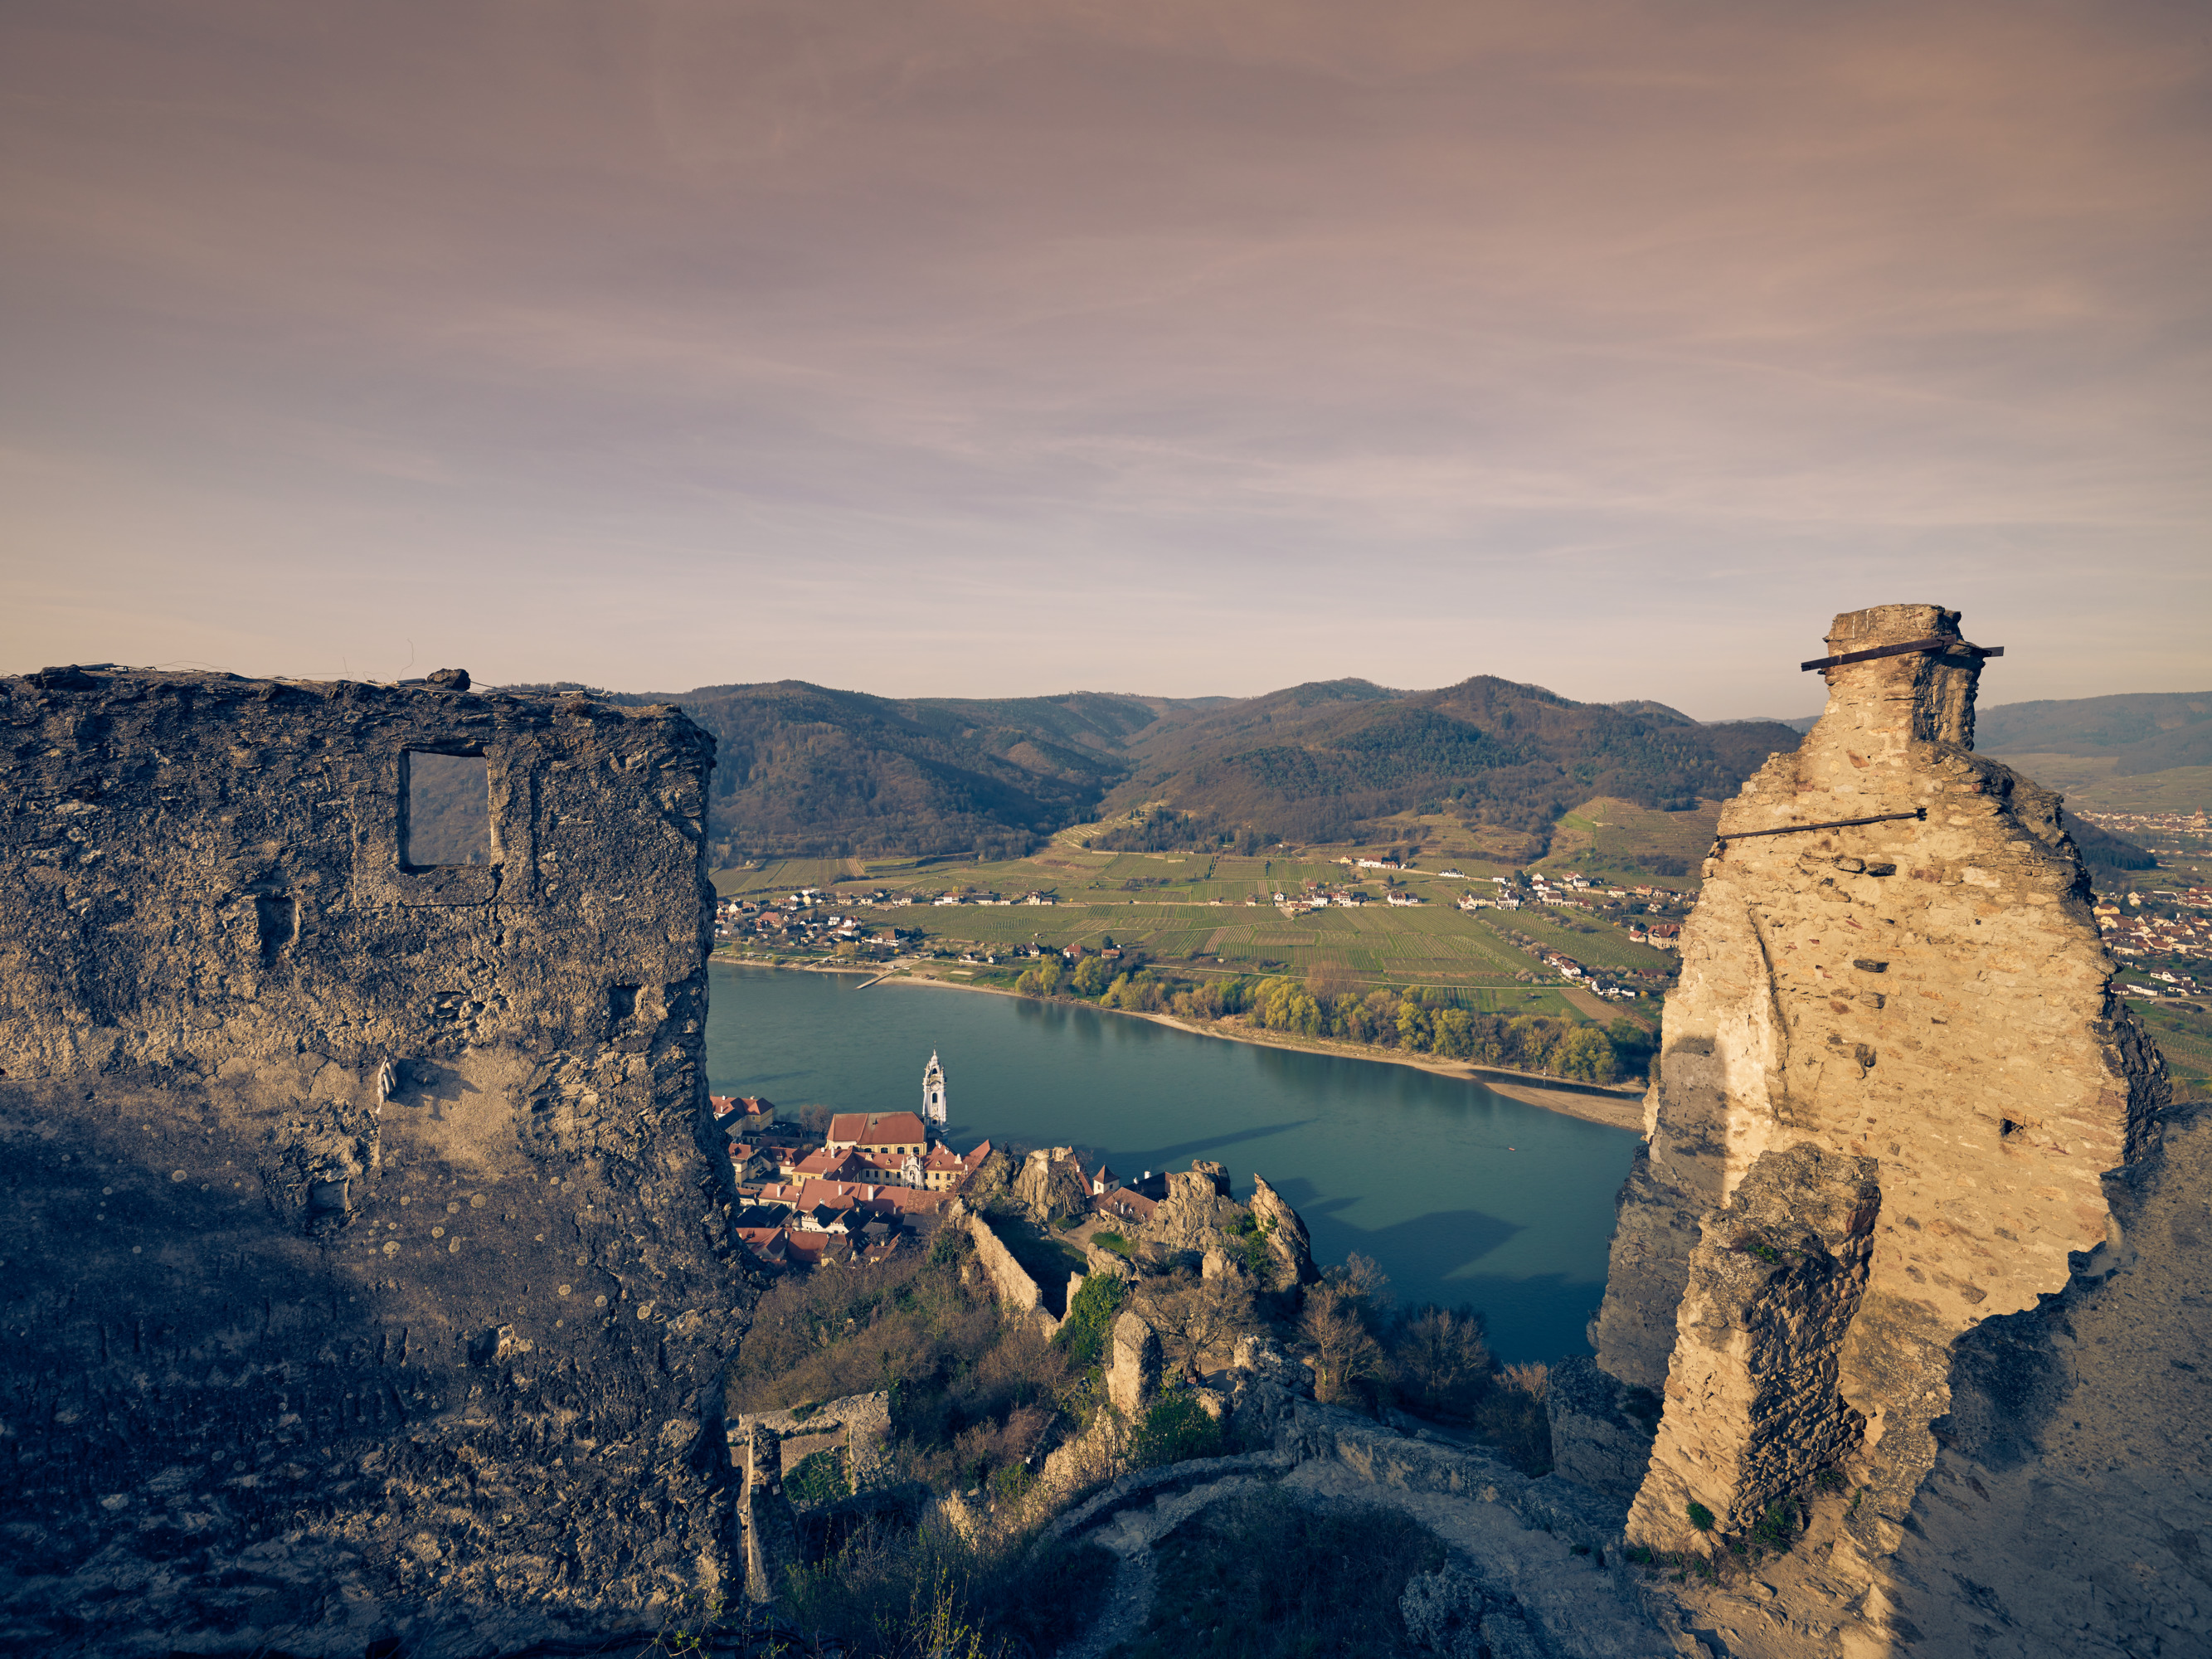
[(1123, 1202), (810, 1250), (893, 1129), (909, 1200), (826, 1165)]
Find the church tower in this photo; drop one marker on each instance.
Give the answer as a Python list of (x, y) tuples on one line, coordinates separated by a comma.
[(932, 1092)]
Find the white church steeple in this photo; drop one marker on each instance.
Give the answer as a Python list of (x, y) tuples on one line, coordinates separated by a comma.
[(933, 1091)]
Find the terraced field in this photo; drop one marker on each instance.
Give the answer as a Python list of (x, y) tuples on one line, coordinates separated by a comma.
[(1192, 909)]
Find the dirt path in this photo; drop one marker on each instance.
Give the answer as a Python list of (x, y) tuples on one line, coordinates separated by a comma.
[(1131, 1536)]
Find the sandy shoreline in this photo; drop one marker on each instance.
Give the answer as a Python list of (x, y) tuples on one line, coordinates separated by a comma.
[(1615, 1108)]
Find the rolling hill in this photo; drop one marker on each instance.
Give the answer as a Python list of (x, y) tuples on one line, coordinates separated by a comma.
[(1316, 761), (2140, 732), (808, 770)]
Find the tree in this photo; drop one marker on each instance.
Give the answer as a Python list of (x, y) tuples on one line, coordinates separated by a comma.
[(1336, 1320), (1413, 1025), (1443, 1362), (1192, 1315), (1585, 1053), (1092, 976)]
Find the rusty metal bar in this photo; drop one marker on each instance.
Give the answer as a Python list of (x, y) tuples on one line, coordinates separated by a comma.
[(1899, 651), (1833, 824)]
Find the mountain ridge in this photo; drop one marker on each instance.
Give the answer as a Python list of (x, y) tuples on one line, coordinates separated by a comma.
[(812, 770)]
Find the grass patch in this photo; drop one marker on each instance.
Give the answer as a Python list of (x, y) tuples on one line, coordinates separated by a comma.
[(1175, 1431), (1113, 1241), (1263, 1578)]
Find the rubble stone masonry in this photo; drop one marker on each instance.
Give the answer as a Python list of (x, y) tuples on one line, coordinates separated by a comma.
[(1895, 1084), (362, 1273)]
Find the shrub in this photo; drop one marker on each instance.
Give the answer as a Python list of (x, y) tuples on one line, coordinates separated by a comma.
[(820, 1477), (1082, 1335), (1517, 1425), (1533, 1379), (1777, 1529), (1441, 1362), (1176, 1429), (1700, 1516)]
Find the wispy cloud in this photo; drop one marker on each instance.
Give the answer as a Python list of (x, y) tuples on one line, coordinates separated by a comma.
[(967, 347)]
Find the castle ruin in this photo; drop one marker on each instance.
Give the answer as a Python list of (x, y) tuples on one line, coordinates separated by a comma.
[(362, 1264), (1900, 1150)]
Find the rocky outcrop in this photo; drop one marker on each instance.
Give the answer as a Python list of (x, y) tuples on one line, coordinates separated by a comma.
[(1289, 1250), (1895, 1086), (1602, 1427), (1049, 1186), (362, 1272), (1196, 1214), (1199, 1224)]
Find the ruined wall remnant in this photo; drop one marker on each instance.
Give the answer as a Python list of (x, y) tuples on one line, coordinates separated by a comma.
[(1133, 1367), (1895, 1078), (767, 1446), (361, 1274)]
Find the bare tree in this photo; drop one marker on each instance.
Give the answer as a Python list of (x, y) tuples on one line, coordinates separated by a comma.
[(1194, 1315), (1345, 1354)]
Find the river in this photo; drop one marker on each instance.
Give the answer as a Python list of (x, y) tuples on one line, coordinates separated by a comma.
[(1461, 1194)]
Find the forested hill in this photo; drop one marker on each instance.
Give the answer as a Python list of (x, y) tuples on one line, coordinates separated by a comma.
[(2142, 730), (802, 768), (1315, 762), (808, 770)]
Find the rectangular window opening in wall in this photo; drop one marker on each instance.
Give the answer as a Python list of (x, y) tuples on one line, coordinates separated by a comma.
[(448, 810)]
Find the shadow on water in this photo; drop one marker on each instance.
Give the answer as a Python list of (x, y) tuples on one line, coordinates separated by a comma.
[(1447, 1242), (1160, 1158)]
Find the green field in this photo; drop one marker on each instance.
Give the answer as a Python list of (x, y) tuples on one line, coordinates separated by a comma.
[(2184, 1036), (1632, 845), (1594, 942), (1199, 923)]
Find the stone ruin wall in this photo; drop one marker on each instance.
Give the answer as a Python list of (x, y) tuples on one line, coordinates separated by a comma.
[(361, 1267), (1896, 1094), (767, 1447)]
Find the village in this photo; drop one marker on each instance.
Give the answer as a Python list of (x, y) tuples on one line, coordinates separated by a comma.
[(812, 919), (2152, 934), (871, 1184)]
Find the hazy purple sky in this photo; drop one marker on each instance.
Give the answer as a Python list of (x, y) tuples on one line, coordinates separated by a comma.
[(943, 348)]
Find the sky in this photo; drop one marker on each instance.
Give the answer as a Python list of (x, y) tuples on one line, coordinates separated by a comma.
[(925, 347)]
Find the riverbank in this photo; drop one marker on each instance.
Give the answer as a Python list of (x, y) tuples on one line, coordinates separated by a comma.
[(1616, 1107)]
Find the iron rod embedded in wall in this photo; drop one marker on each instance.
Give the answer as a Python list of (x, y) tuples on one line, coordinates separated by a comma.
[(1899, 651), (1832, 823)]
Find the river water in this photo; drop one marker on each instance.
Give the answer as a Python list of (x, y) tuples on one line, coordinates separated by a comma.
[(1462, 1195)]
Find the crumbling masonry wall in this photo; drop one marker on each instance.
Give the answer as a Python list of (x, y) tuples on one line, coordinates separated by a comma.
[(1895, 1075), (360, 1274)]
